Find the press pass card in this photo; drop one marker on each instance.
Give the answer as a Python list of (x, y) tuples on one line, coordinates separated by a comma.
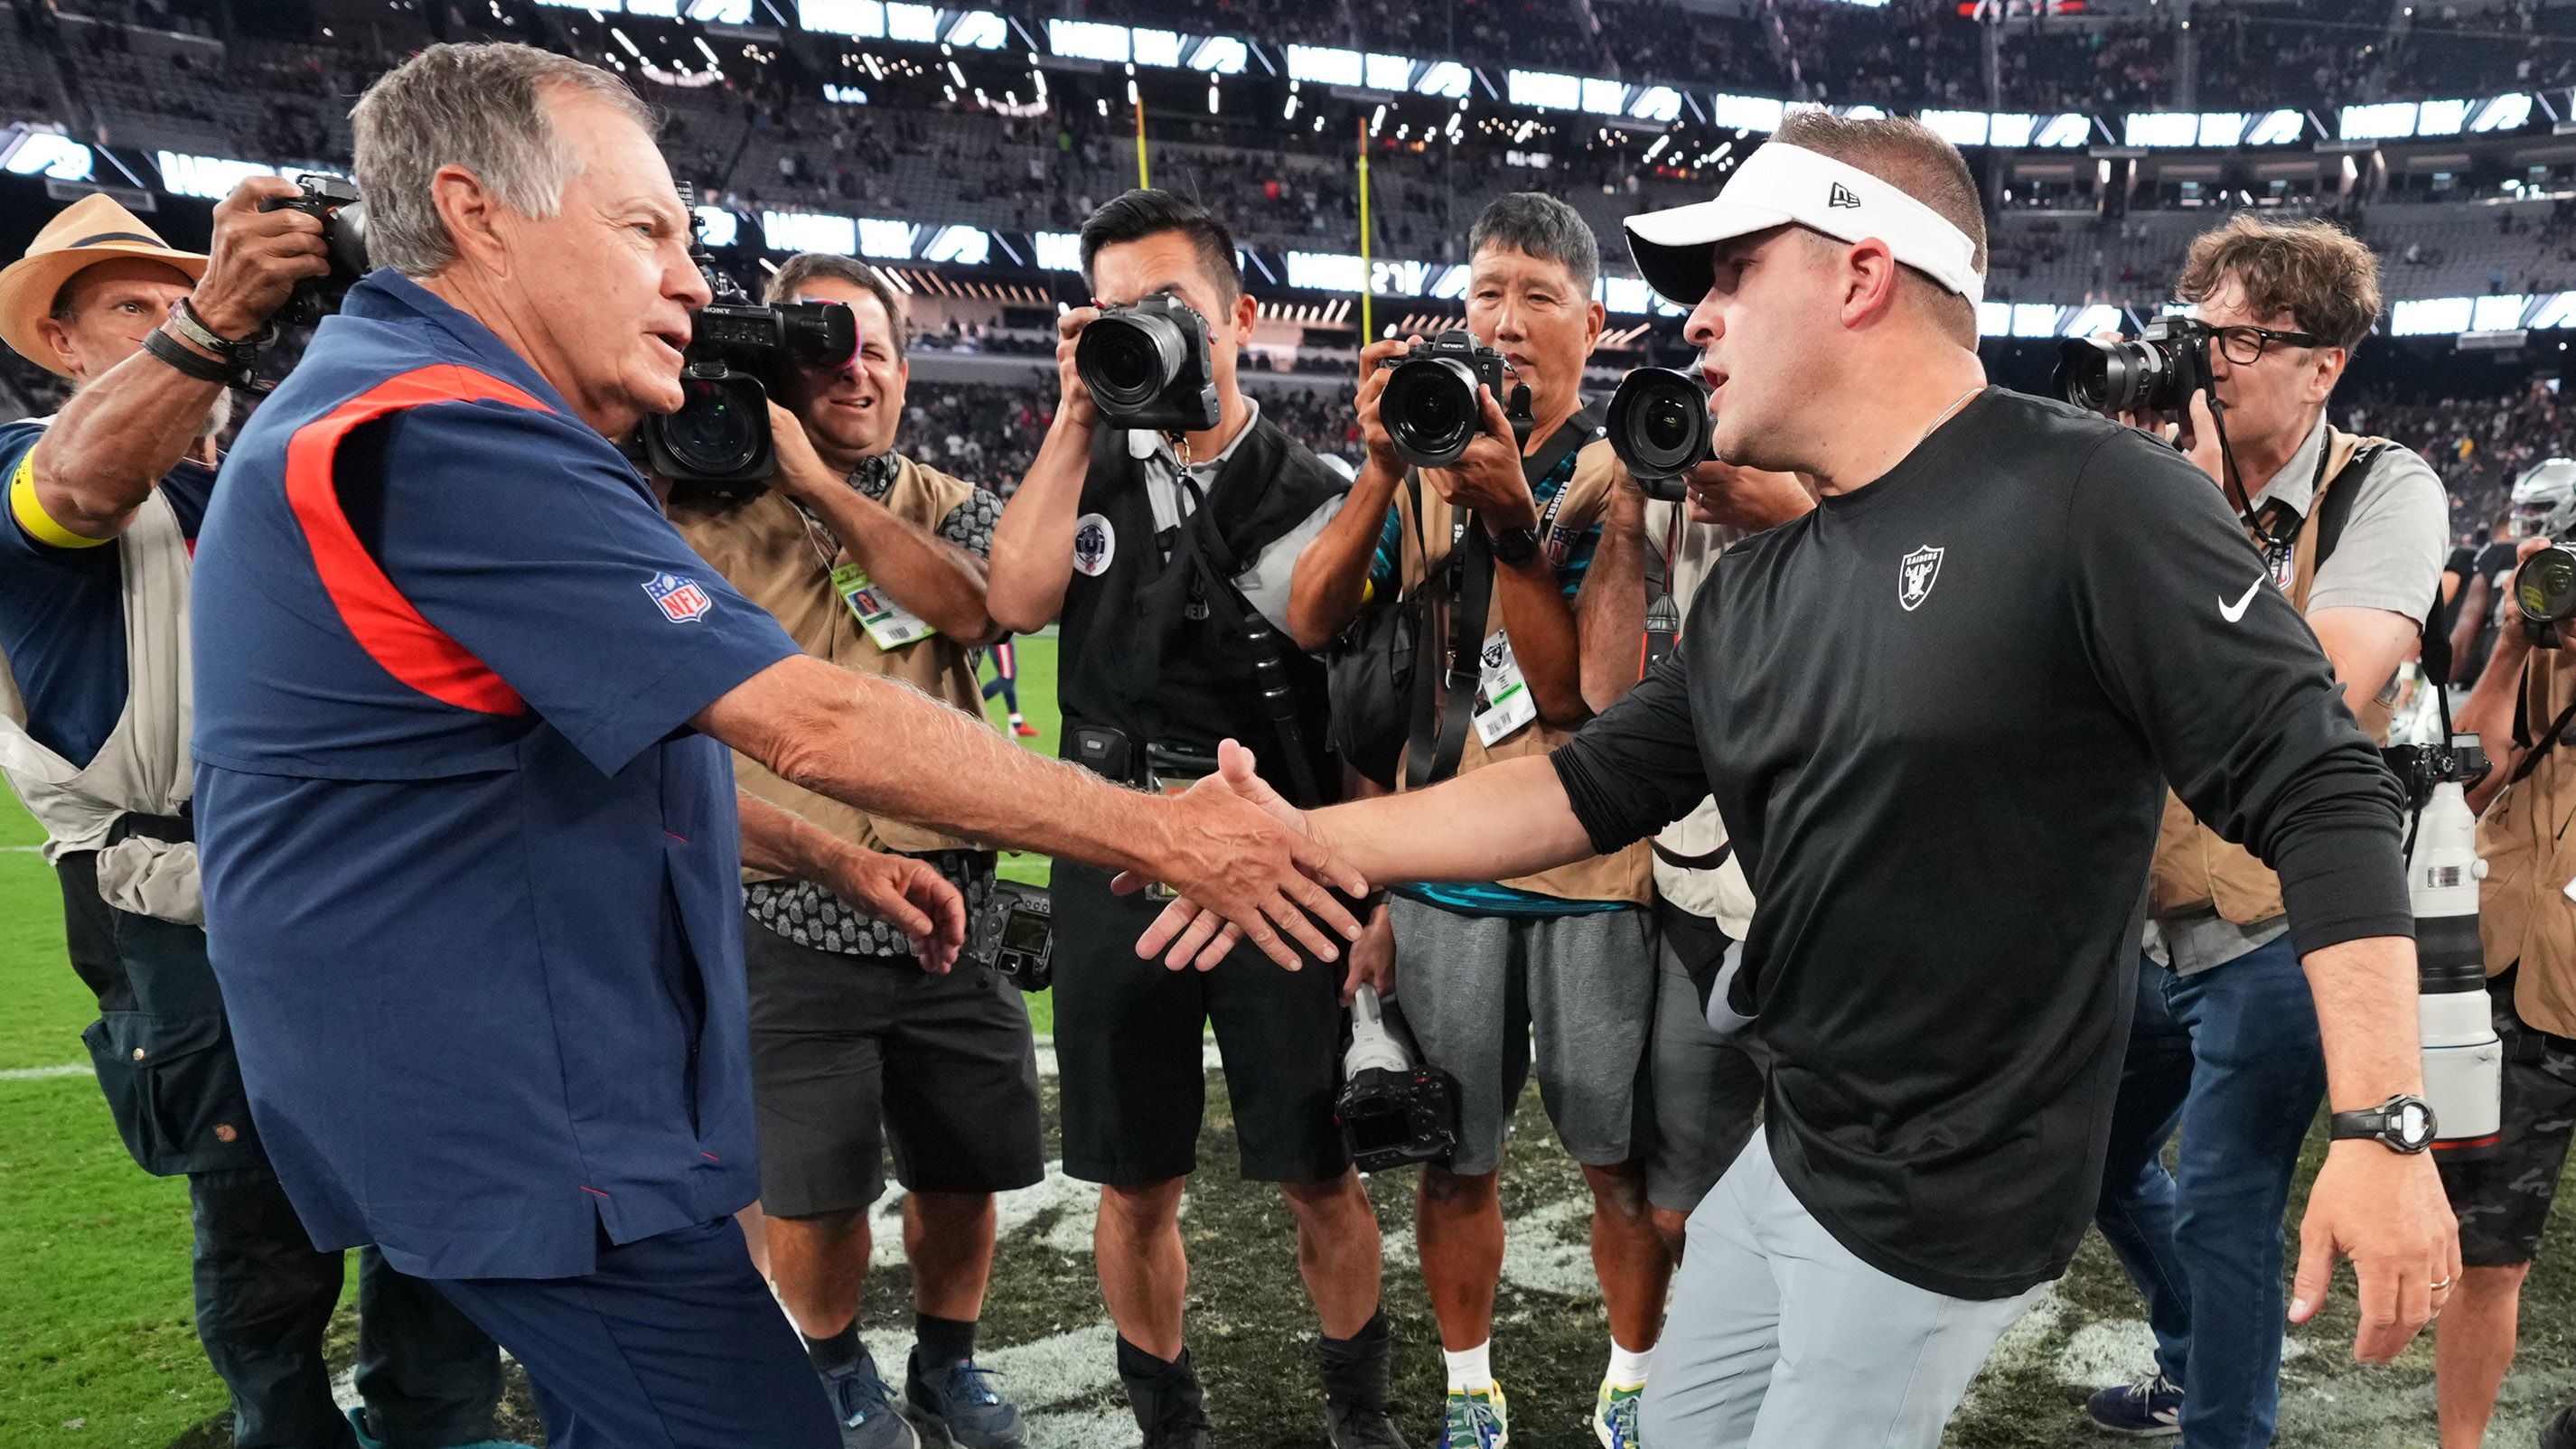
[(890, 625), (1503, 701)]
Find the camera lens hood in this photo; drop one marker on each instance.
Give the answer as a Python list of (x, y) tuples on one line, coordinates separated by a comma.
[(1659, 423)]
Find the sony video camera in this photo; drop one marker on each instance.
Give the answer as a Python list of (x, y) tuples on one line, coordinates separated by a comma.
[(2158, 372), (1392, 1110), (335, 202), (2544, 585), (1430, 404), (1149, 365), (1660, 428), (718, 443), (2463, 1059), (1015, 934)]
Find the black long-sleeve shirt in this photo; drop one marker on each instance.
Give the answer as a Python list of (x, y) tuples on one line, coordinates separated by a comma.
[(1938, 714)]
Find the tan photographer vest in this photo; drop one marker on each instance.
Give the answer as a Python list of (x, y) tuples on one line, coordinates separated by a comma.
[(1624, 875), (2524, 913), (2195, 869), (766, 550)]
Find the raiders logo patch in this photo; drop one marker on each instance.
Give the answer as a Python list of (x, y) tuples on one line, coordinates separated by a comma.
[(1915, 575), (1094, 544)]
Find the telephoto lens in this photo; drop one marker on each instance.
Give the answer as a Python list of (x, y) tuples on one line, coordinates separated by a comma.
[(1148, 366), (1392, 1110), (1659, 426), (2463, 1060), (1430, 405)]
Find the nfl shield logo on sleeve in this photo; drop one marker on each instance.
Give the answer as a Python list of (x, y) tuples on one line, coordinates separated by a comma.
[(1915, 574), (681, 599)]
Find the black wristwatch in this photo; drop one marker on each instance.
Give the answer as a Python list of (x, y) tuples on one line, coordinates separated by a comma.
[(2401, 1124), (1514, 546)]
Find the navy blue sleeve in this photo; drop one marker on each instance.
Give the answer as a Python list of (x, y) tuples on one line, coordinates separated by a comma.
[(528, 540)]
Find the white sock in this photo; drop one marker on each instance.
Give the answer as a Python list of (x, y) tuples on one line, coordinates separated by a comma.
[(1627, 1370), (1471, 1369)]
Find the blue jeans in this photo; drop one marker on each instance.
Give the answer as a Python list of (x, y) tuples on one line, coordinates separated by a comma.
[(2231, 1057)]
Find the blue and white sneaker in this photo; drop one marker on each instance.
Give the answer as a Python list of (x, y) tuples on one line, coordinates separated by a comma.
[(2149, 1407), (863, 1401), (1476, 1419), (1614, 1415), (961, 1402)]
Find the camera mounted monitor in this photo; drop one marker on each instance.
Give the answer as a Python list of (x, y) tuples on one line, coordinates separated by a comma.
[(1149, 365), (1014, 934), (1430, 404), (1660, 427)]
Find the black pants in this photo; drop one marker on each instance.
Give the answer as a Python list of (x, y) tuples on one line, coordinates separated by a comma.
[(264, 1294)]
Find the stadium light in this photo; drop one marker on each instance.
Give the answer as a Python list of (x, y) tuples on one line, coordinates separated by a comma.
[(1326, 65), (809, 231), (980, 30), (1445, 78), (1387, 72), (1155, 47), (1326, 272), (45, 153), (2555, 310), (2222, 128), (2010, 128), (2034, 319), (2497, 314), (891, 240), (917, 23), (1605, 97), (1960, 128), (2441, 118), (2431, 316), (1994, 319), (717, 227), (1089, 40), (1656, 103), (2160, 128), (2277, 128), (2501, 113), (845, 95), (2066, 132), (862, 18), (211, 178), (2388, 120), (1059, 251), (1543, 90), (1218, 54), (1747, 113), (1623, 294)]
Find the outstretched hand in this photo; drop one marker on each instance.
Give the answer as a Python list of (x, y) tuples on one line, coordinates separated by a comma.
[(1246, 868)]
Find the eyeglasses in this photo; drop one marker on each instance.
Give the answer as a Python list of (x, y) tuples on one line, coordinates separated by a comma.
[(2244, 345)]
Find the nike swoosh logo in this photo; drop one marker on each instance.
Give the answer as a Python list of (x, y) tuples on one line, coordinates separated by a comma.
[(2235, 611)]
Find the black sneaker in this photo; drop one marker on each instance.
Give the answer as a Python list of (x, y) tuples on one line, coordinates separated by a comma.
[(1195, 1435), (1354, 1371), (2560, 1433), (960, 1401), (2149, 1407), (863, 1402), (1170, 1406), (1351, 1427)]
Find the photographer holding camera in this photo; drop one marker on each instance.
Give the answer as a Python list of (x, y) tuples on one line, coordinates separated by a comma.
[(471, 841), (1169, 530), (1531, 522), (2521, 711), (104, 503), (2223, 1043), (875, 562)]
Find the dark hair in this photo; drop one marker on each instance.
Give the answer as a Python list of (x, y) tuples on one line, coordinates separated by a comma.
[(1539, 226), (1913, 158), (2313, 270), (1142, 213), (804, 267)]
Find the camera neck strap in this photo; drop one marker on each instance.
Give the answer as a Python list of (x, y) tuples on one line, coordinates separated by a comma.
[(1441, 721)]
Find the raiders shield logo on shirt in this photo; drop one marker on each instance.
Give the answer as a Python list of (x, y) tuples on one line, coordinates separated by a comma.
[(1914, 576)]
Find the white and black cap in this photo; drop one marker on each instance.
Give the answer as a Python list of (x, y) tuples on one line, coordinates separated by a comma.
[(1781, 184)]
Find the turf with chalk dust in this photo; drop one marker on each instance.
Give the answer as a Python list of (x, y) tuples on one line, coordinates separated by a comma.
[(96, 1346)]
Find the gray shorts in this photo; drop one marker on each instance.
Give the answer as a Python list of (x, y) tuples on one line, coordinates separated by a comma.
[(1708, 1093), (1476, 988)]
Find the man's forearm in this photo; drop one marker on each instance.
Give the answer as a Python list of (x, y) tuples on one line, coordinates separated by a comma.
[(2365, 997), (927, 574), (1610, 612), (1506, 820), (1332, 576), (1530, 604), (115, 441), (780, 842), (1033, 541)]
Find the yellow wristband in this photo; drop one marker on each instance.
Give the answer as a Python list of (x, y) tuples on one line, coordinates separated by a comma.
[(31, 514)]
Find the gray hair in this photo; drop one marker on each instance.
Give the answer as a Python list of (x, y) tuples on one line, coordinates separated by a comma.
[(475, 106), (1542, 227)]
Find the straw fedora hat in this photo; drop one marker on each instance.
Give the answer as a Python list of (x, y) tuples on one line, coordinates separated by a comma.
[(91, 230)]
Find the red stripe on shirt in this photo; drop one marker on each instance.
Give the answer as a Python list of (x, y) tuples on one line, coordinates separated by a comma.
[(385, 624)]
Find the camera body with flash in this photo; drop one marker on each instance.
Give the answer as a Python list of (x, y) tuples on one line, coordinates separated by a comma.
[(1015, 934), (1660, 428), (1149, 365), (718, 445), (2157, 372), (1430, 405)]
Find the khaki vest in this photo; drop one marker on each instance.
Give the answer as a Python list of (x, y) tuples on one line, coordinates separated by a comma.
[(2523, 911), (2195, 869), (1624, 875), (766, 550)]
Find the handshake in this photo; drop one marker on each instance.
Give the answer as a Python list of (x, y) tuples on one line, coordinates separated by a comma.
[(1238, 894)]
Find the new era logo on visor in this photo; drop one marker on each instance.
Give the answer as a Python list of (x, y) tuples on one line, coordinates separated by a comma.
[(681, 599), (1841, 195)]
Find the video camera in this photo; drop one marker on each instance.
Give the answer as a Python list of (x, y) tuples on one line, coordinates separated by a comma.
[(718, 443), (2158, 372), (1015, 934), (1660, 428), (2463, 1059), (1392, 1110), (1148, 365), (335, 202), (1430, 404)]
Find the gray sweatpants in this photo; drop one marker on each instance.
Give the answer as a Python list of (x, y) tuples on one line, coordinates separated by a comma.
[(1779, 1338), (1476, 989), (1708, 1093)]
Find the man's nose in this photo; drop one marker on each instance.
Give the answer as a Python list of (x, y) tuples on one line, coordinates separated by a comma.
[(1701, 328)]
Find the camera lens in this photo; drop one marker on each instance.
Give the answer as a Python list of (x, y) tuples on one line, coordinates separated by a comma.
[(719, 429), (825, 334), (1126, 361), (1430, 410), (2545, 586), (1667, 424)]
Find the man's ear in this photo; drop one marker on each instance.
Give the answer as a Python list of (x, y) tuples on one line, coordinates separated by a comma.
[(472, 215), (1247, 312), (59, 338), (1869, 281)]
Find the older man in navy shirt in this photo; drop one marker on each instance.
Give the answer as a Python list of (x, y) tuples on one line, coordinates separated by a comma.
[(467, 821)]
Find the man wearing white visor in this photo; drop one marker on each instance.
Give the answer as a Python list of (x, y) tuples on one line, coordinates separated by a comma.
[(1938, 714)]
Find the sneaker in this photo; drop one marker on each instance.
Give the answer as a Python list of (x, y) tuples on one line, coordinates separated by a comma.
[(1614, 1415), (366, 1440), (2560, 1433), (863, 1402), (2148, 1408), (1188, 1434), (1024, 730), (1477, 1419), (960, 1402), (1348, 1426)]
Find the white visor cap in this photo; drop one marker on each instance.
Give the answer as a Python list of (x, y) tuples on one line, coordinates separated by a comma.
[(1780, 185)]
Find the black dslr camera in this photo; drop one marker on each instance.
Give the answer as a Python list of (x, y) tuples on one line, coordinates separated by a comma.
[(1660, 428), (1015, 934), (2158, 372), (717, 445), (2419, 768), (1393, 1109), (335, 202), (1430, 404), (1149, 365), (2544, 591)]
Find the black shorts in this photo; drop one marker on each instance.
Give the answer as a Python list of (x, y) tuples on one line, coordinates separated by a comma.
[(2502, 1201), (1129, 1059), (851, 1054)]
